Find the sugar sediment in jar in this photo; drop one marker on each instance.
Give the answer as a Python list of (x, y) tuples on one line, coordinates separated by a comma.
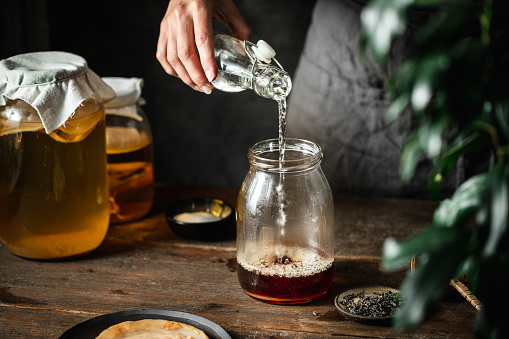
[(53, 187), (293, 275)]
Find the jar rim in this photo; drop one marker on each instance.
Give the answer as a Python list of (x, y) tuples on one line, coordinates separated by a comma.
[(300, 155)]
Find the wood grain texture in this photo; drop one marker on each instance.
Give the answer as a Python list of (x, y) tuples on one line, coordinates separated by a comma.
[(144, 265)]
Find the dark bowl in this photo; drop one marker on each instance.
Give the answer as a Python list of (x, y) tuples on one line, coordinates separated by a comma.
[(205, 219)]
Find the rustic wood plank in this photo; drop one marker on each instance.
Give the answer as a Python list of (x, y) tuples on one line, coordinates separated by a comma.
[(77, 289), (363, 224), (144, 265)]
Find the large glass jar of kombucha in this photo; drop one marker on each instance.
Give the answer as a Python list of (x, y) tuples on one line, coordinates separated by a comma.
[(53, 178), (130, 151), (285, 224)]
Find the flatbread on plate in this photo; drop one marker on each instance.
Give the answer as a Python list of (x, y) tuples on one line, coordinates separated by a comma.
[(153, 329)]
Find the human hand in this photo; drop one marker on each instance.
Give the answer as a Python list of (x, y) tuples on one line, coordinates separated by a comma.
[(186, 30)]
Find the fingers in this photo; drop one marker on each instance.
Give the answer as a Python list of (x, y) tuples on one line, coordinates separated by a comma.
[(176, 48), (195, 37), (185, 60), (186, 31), (203, 36), (162, 44)]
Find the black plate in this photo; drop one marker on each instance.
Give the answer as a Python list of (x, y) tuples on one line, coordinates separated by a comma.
[(91, 328)]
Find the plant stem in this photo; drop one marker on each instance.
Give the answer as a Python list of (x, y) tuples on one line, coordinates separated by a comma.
[(485, 20)]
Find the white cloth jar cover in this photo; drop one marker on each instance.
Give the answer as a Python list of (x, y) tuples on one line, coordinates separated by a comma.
[(128, 92), (55, 84)]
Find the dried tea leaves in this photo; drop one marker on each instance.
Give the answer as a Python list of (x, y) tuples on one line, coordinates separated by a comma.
[(377, 305)]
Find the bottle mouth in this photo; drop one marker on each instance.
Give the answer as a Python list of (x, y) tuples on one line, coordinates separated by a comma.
[(281, 86), (271, 82), (300, 155)]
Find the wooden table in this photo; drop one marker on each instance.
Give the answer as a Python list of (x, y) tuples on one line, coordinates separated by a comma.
[(144, 265)]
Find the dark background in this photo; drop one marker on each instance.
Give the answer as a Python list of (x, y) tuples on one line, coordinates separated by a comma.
[(198, 139)]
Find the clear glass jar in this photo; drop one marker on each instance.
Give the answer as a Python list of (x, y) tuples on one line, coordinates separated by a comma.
[(130, 151), (285, 224), (130, 165), (53, 187)]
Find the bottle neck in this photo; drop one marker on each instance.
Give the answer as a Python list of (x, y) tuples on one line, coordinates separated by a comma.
[(271, 82)]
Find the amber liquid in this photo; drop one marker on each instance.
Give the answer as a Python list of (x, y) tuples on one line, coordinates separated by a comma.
[(131, 175), (53, 190), (284, 280)]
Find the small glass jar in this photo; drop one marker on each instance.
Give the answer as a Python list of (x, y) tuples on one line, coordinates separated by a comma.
[(130, 152), (285, 224)]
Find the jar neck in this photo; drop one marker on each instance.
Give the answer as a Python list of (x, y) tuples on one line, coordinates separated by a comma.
[(300, 155)]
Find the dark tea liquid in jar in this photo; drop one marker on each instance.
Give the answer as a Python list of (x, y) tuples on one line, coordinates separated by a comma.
[(285, 224), (298, 276)]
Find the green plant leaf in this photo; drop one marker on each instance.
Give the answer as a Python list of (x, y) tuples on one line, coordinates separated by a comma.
[(446, 27), (414, 83), (470, 267), (497, 207), (465, 143), (396, 254), (426, 139), (430, 69), (410, 154), (454, 212), (382, 22), (435, 3), (454, 83), (501, 111), (473, 138), (397, 106), (426, 285), (430, 135), (484, 328)]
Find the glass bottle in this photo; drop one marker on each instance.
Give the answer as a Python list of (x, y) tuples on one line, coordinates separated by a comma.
[(285, 224), (244, 65), (53, 185), (130, 151)]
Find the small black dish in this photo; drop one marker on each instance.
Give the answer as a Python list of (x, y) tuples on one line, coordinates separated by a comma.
[(193, 225), (367, 291)]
